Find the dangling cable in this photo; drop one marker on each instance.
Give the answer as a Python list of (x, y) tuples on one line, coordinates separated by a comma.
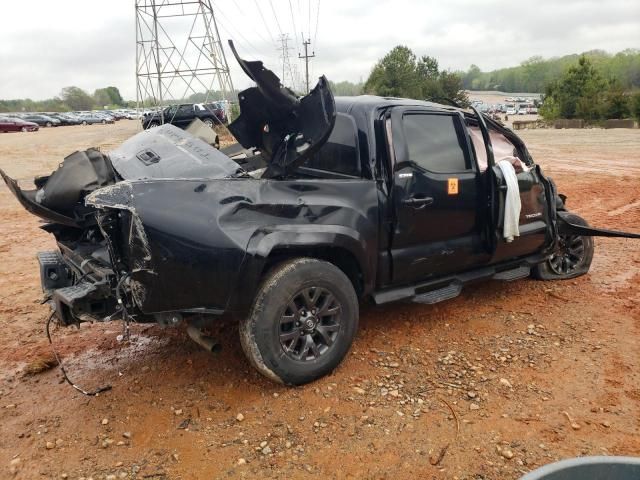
[(95, 393)]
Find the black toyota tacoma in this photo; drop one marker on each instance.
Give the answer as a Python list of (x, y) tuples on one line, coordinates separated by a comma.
[(323, 203)]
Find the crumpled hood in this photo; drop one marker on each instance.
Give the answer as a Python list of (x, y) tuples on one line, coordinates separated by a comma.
[(162, 153), (168, 152)]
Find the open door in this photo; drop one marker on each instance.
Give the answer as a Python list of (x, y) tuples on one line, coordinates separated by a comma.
[(493, 146)]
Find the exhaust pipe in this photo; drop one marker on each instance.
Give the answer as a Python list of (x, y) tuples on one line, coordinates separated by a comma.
[(203, 340)]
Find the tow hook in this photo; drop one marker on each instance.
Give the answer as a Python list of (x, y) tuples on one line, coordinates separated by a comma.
[(206, 342)]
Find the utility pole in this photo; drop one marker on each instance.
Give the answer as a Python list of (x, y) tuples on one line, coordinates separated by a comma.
[(306, 57)]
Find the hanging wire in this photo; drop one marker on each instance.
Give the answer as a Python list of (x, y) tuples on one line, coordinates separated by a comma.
[(93, 393)]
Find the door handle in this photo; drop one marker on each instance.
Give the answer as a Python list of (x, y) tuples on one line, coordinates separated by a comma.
[(418, 202)]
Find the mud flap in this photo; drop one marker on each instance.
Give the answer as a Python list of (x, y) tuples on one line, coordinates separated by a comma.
[(567, 228)]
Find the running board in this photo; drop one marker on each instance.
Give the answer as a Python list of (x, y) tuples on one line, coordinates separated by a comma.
[(440, 295), (511, 275)]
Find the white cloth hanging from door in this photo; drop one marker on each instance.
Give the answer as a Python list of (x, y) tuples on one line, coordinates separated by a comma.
[(512, 204)]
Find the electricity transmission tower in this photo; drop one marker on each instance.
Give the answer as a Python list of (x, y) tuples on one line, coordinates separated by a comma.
[(179, 54), (286, 60)]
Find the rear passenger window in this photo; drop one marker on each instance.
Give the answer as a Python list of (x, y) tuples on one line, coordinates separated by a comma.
[(435, 143), (340, 153)]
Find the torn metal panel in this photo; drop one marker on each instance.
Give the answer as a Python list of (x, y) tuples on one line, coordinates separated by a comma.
[(287, 129)]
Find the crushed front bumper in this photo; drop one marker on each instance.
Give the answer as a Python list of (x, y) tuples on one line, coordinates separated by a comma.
[(78, 289)]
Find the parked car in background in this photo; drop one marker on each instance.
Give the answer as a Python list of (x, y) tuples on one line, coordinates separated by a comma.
[(182, 115), (216, 108), (92, 119), (14, 124), (42, 120), (116, 115), (65, 119), (106, 116)]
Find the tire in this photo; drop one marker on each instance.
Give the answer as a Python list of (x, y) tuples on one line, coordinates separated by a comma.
[(208, 122), (572, 258), (84, 122), (284, 340), (154, 125), (24, 129), (104, 122), (49, 124)]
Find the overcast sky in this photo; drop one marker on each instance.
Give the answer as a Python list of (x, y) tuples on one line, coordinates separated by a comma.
[(46, 45)]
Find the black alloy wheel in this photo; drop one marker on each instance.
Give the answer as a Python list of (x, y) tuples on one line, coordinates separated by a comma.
[(572, 256), (302, 323), (569, 255), (310, 324)]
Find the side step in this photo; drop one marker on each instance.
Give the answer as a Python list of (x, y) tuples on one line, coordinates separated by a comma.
[(440, 295), (511, 275)]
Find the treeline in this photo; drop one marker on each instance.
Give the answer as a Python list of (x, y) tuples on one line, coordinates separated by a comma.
[(584, 92), (533, 75), (70, 99)]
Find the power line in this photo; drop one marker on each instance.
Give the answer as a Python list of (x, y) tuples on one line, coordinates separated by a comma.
[(315, 36), (276, 17), (293, 21), (265, 22)]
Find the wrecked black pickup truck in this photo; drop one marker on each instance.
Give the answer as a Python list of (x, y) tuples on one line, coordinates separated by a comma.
[(323, 202)]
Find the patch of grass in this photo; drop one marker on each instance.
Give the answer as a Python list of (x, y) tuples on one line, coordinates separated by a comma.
[(44, 362)]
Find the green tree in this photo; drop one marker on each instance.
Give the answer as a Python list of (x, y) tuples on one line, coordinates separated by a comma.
[(579, 93), (401, 74), (634, 105), (394, 75), (108, 96), (616, 101), (76, 98)]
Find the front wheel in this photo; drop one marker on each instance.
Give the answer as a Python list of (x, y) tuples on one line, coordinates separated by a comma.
[(302, 323), (24, 129), (208, 122), (572, 257), (49, 124)]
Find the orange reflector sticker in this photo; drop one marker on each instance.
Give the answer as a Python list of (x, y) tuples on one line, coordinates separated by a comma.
[(452, 188)]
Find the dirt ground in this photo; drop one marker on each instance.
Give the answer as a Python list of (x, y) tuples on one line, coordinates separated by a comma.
[(501, 380)]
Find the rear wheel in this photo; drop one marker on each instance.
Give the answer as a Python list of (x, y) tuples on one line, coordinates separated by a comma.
[(572, 257), (104, 122), (84, 122), (302, 323), (49, 124)]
